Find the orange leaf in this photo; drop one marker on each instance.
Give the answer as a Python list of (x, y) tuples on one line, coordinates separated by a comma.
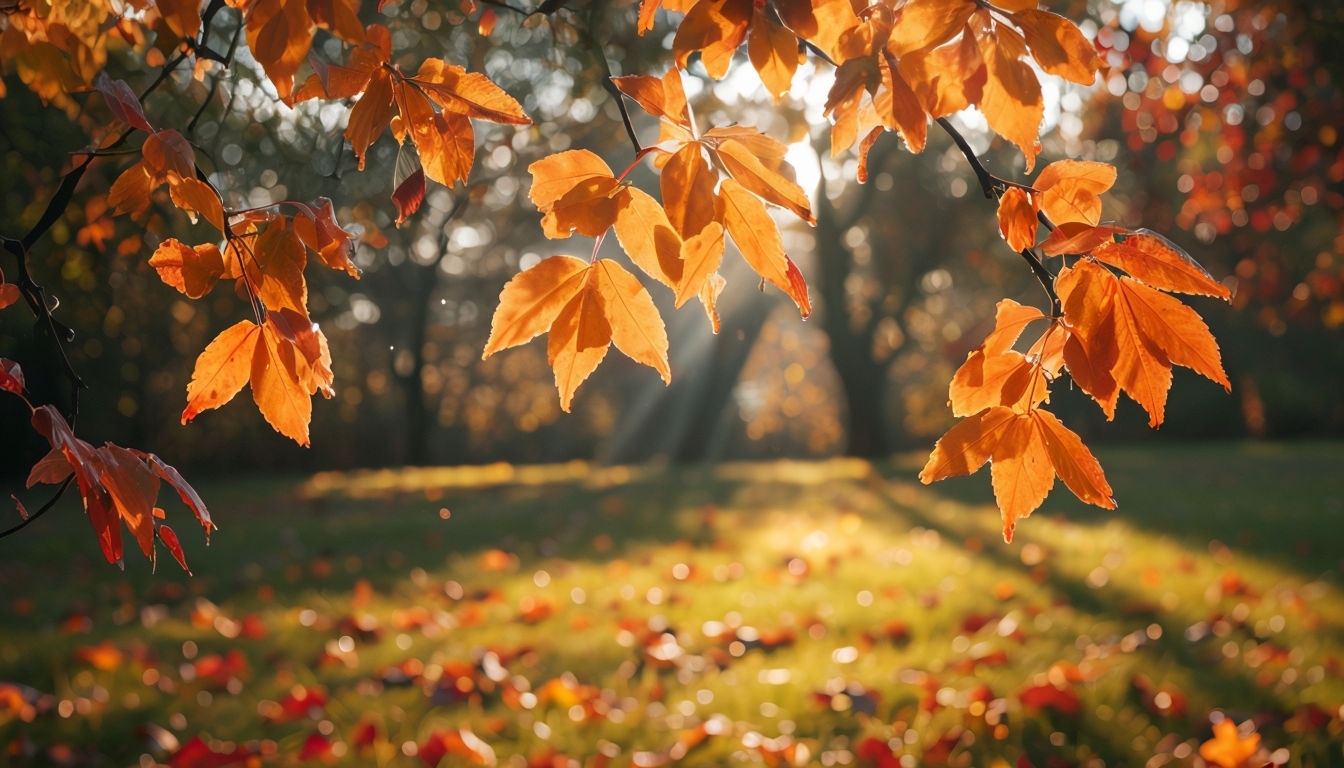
[(132, 489), (928, 23), (749, 168), (1021, 471), (317, 227), (371, 114), (993, 374), (1070, 190), (341, 17), (196, 197), (757, 237), (531, 301), (967, 445), (1228, 748), (701, 255), (647, 236), (86, 464), (445, 140), (1150, 258), (687, 186), (773, 50), (193, 271), (278, 388), (1058, 45), (574, 190), (222, 369), (898, 107), (311, 344), (578, 339), (468, 93), (1077, 238), (1074, 464), (1140, 331), (189, 497), (1017, 219), (1026, 450), (661, 97), (946, 79), (273, 264), (183, 17), (636, 327), (279, 35), (1011, 100), (9, 294), (715, 28)]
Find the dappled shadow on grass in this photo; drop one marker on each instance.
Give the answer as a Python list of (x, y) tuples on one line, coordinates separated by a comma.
[(780, 613)]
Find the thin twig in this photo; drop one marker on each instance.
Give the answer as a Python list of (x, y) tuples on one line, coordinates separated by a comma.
[(994, 187), (610, 85), (41, 510)]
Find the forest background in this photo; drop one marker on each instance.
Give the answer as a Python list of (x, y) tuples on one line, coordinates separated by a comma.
[(1223, 119)]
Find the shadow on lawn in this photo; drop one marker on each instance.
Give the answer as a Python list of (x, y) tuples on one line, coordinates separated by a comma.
[(940, 599)]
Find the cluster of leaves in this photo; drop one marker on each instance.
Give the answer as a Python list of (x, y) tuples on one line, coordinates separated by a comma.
[(119, 485), (898, 65)]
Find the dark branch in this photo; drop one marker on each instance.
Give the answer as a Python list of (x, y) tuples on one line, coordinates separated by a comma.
[(994, 187), (41, 510), (610, 85)]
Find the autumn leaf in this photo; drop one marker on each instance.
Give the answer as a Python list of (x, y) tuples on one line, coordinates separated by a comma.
[(1136, 334), (749, 224), (280, 34), (994, 374), (432, 109), (191, 270), (11, 377), (714, 29), (1026, 450), (123, 102), (1228, 748), (585, 308), (1070, 190), (575, 191), (1152, 259), (1011, 99), (1017, 219), (163, 153), (222, 369)]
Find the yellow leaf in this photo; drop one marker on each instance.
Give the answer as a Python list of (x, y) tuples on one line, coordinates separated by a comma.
[(647, 236), (222, 369), (773, 51), (578, 340), (748, 170), (531, 301), (701, 255), (1011, 100), (637, 328), (277, 386)]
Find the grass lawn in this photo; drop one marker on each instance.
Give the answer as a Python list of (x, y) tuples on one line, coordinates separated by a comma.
[(780, 614)]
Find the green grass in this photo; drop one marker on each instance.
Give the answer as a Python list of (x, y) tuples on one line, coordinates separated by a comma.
[(827, 613)]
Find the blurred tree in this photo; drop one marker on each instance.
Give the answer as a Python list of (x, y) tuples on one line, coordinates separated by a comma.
[(242, 112)]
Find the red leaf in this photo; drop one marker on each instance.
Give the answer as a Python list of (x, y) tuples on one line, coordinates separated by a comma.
[(11, 377), (170, 540), (123, 102)]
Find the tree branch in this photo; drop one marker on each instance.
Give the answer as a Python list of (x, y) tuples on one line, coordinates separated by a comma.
[(10, 531), (609, 85), (994, 187)]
